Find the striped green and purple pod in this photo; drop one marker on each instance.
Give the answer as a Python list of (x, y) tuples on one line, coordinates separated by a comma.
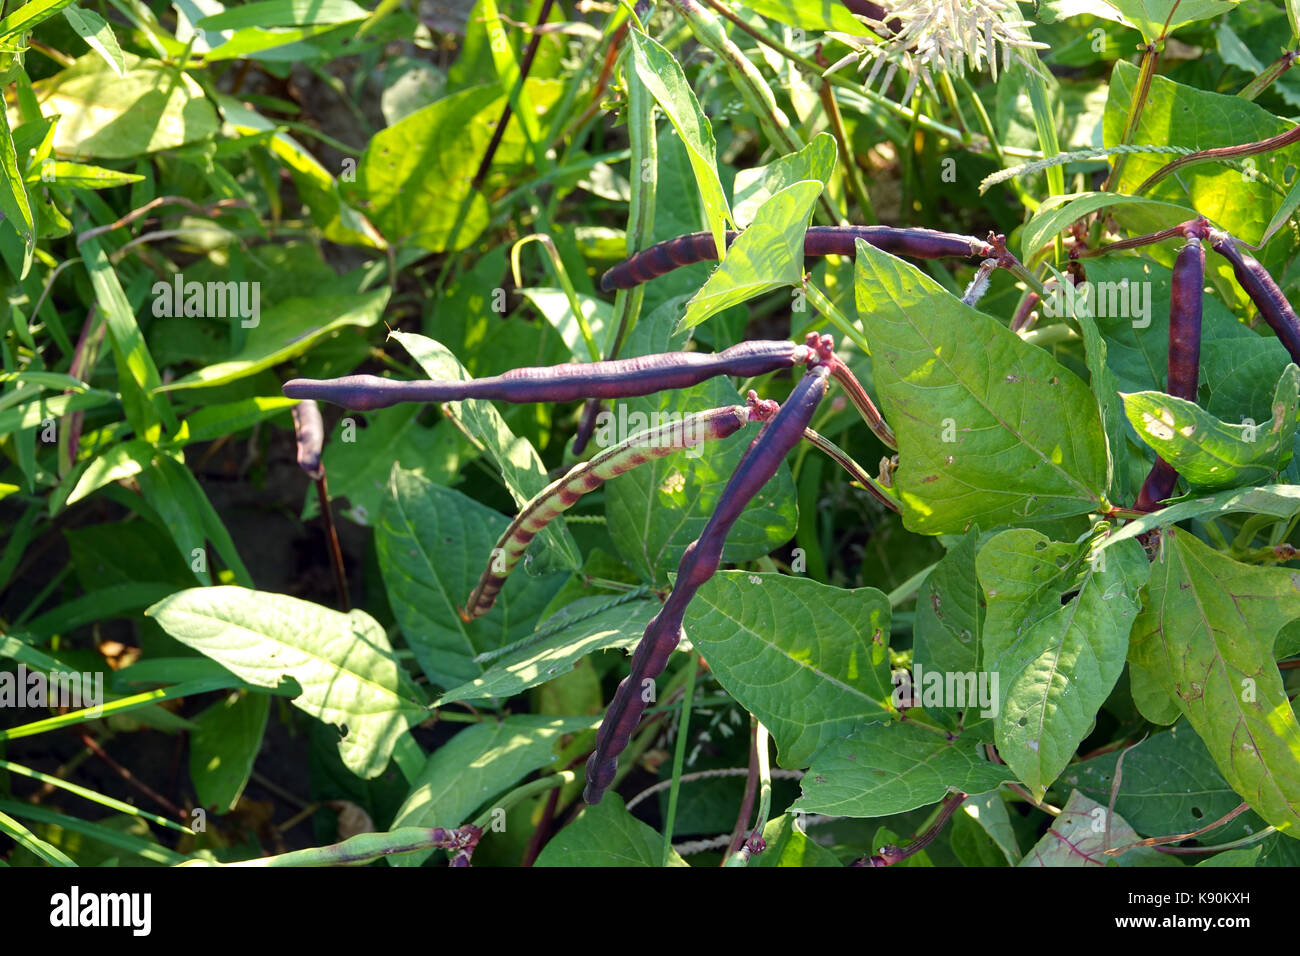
[(562, 494)]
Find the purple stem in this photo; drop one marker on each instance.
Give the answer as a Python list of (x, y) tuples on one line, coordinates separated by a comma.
[(620, 378), (698, 564)]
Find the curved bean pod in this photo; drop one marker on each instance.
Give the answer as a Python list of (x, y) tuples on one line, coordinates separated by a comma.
[(1263, 291), (698, 564), (309, 431), (620, 378), (562, 494), (685, 250)]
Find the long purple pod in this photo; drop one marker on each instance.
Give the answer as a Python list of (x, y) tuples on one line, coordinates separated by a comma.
[(698, 564), (686, 250), (1185, 303), (561, 495), (620, 378), (1263, 291)]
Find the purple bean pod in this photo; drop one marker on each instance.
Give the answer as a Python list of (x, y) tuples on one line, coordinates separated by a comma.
[(671, 254), (698, 564), (1263, 291), (1185, 302), (620, 378), (309, 431)]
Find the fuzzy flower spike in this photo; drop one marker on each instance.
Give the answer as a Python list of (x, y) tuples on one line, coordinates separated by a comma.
[(924, 37)]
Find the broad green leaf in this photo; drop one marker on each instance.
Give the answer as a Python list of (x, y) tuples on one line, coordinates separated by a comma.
[(14, 203), (115, 463), (224, 747), (151, 107), (432, 544), (766, 256), (606, 835), (989, 811), (1207, 634), (946, 635), (520, 465), (1280, 501), (1078, 836), (286, 330), (757, 185), (348, 673), (1157, 18), (1055, 637), (94, 29), (810, 661), (1058, 213), (1179, 115), (1212, 454), (619, 627), (477, 764), (1169, 785), (787, 845), (358, 460), (882, 769), (663, 77), (659, 508), (990, 429), (284, 13)]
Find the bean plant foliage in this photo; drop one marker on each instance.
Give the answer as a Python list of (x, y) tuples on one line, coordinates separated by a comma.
[(704, 432)]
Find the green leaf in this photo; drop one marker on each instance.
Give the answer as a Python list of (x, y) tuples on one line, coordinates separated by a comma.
[(229, 418), (28, 15), (990, 429), (1078, 836), (1207, 634), (150, 107), (1055, 638), (555, 308), (13, 196), (359, 460), (286, 330), (946, 635), (789, 846), (1280, 501), (432, 543), (477, 764), (1151, 16), (1179, 115), (809, 14), (95, 30), (757, 185), (607, 835), (188, 514), (224, 747), (766, 256), (1169, 785), (113, 464), (343, 662), (656, 510), (614, 628), (31, 842), (1210, 453), (989, 811), (284, 13), (663, 77), (520, 465), (1057, 213), (80, 176), (883, 769), (810, 661)]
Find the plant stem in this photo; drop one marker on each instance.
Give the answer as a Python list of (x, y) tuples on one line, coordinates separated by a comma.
[(679, 756), (1146, 73)]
